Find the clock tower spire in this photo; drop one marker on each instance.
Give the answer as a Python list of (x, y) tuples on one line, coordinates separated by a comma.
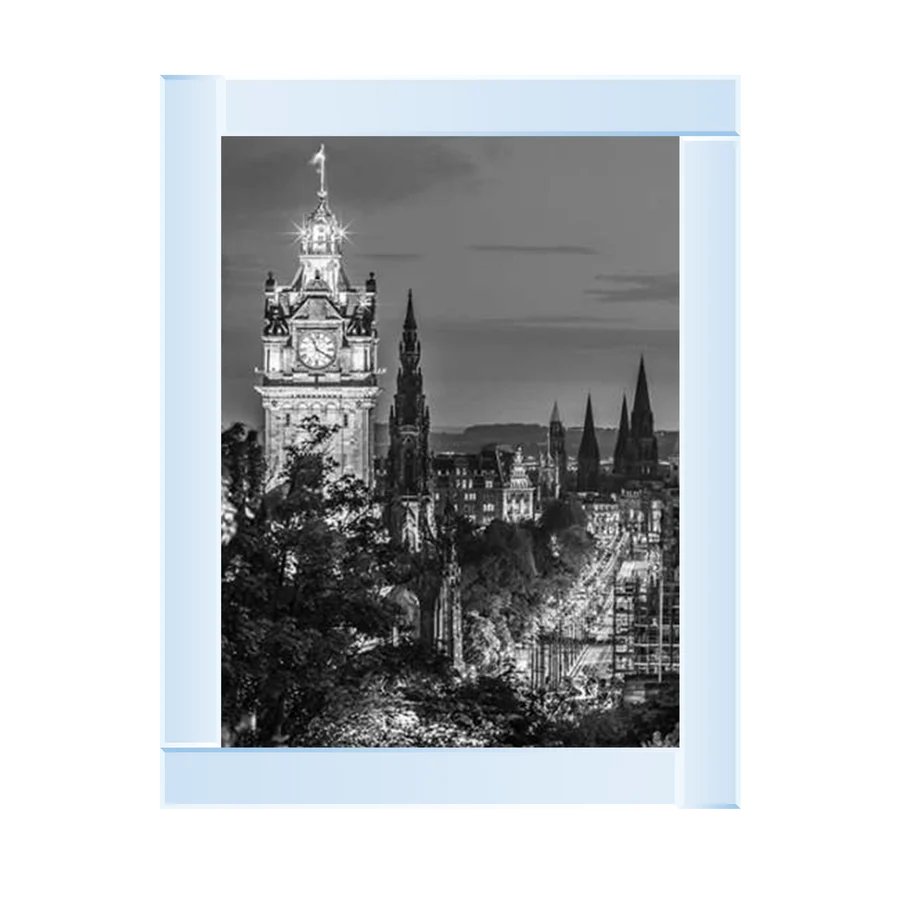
[(320, 347)]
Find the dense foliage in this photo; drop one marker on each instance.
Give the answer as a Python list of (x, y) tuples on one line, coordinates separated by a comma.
[(510, 572), (317, 652)]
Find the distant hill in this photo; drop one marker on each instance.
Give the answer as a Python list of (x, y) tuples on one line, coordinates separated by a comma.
[(531, 437)]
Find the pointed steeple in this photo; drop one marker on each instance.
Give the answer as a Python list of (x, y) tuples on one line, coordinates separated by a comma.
[(409, 323), (588, 453), (409, 461), (643, 449), (554, 416), (623, 418), (589, 438), (410, 348), (620, 455), (641, 413)]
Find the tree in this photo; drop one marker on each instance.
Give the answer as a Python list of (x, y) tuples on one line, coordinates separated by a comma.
[(303, 581), (652, 723), (316, 648)]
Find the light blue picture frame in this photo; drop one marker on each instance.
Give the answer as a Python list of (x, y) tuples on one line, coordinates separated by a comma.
[(196, 113)]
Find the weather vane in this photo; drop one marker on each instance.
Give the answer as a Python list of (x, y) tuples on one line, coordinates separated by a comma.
[(319, 162)]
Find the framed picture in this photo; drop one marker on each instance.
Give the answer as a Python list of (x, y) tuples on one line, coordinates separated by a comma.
[(450, 442)]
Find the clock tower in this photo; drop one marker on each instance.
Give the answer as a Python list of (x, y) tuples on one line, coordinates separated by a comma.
[(320, 348)]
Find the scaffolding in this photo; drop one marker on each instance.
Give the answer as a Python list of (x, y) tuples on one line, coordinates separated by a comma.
[(646, 605)]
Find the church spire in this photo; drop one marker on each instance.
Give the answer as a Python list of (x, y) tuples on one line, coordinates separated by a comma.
[(554, 416), (410, 348), (588, 453), (641, 413), (409, 323), (589, 438), (643, 449), (620, 456)]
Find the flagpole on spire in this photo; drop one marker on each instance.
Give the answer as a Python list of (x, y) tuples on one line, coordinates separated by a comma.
[(319, 162)]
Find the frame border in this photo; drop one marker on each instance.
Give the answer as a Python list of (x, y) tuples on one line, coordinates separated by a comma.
[(196, 112)]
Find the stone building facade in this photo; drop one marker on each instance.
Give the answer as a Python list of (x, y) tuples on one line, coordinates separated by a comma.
[(492, 484), (320, 350)]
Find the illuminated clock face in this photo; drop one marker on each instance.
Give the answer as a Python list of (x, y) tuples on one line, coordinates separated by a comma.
[(317, 349)]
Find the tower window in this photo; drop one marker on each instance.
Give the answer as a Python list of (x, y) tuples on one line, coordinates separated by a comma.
[(346, 420), (287, 419)]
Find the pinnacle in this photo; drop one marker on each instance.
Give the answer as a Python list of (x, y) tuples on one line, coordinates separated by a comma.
[(642, 392), (410, 321), (588, 448)]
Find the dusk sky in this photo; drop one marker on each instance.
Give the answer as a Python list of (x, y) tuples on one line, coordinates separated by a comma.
[(541, 267)]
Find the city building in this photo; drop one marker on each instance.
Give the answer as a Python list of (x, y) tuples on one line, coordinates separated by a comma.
[(641, 516), (646, 611), (645, 638), (517, 493), (320, 348), (603, 517), (492, 484), (674, 464)]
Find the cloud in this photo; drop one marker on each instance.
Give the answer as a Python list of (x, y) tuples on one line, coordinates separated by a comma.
[(536, 249), (635, 288)]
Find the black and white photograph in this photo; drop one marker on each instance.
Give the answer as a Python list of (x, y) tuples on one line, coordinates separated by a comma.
[(450, 442)]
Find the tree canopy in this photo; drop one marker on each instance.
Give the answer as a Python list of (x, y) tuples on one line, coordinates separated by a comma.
[(317, 649)]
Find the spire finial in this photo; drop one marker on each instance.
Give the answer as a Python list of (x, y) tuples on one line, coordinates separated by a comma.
[(319, 162), (589, 416), (641, 392), (410, 322)]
